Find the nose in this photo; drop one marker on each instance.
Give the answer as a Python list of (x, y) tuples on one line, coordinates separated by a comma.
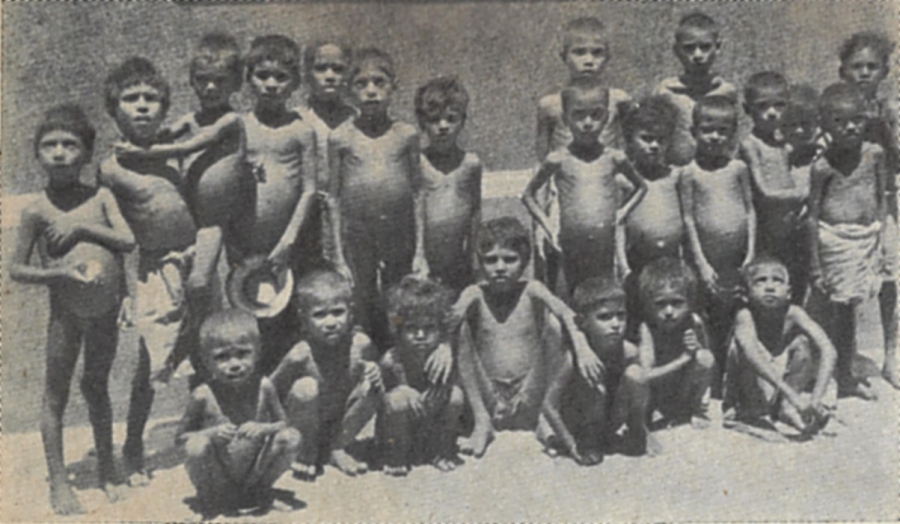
[(419, 334), (210, 86), (58, 153)]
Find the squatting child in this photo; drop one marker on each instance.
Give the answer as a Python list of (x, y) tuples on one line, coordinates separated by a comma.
[(79, 234)]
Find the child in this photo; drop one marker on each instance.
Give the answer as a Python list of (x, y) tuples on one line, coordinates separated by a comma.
[(865, 61), (718, 214), (779, 360), (584, 172), (281, 149), (846, 224), (148, 192), (328, 381), (419, 421), (235, 438), (451, 183), (585, 51), (375, 177), (80, 235), (587, 418), (673, 346), (697, 43), (510, 337)]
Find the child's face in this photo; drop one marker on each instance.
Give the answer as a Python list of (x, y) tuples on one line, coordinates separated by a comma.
[(373, 90), (605, 324), (140, 112), (327, 321), (233, 363), (714, 134), (420, 337), (648, 147), (329, 71), (213, 87), (586, 121), (865, 69), (272, 83), (767, 109), (769, 286), (62, 155), (696, 49), (669, 309), (798, 127), (443, 129), (502, 267), (845, 122), (586, 56)]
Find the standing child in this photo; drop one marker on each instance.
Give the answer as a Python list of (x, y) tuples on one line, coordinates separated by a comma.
[(451, 183), (719, 217), (585, 173), (236, 441), (586, 418), (673, 346), (149, 193), (510, 337), (420, 419), (865, 61), (846, 224), (79, 234), (375, 177), (697, 43), (585, 52)]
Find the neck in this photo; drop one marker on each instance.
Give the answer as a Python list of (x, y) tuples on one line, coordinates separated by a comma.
[(842, 154), (652, 171), (802, 155), (767, 137), (270, 113), (586, 149), (373, 123), (697, 80), (711, 162)]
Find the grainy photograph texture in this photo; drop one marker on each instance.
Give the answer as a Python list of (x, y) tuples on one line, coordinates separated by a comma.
[(449, 262)]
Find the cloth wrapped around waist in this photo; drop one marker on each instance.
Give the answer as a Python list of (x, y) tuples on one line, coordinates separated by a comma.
[(850, 255)]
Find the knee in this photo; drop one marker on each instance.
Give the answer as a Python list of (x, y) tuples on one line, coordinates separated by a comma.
[(92, 387), (801, 351), (457, 397), (288, 439), (634, 375), (196, 447), (305, 389), (704, 360), (399, 399)]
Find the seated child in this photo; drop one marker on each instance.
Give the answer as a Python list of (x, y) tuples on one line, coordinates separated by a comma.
[(377, 212), (716, 200), (585, 52), (420, 420), (779, 360), (329, 382), (673, 348), (846, 225), (585, 419), (79, 234), (865, 61), (697, 43), (510, 336), (236, 441), (451, 183), (585, 174)]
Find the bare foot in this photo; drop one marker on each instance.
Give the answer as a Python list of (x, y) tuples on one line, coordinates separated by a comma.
[(113, 492), (700, 421), (858, 389), (64, 500), (477, 443), (654, 448), (347, 464), (890, 375), (304, 472), (138, 479), (591, 457), (396, 471), (444, 464)]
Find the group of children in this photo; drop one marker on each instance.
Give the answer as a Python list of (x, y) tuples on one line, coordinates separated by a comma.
[(672, 261)]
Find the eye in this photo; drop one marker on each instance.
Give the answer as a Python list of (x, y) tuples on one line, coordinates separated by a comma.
[(281, 77), (491, 259), (578, 51), (130, 98), (706, 47), (359, 84), (320, 68), (511, 259), (338, 311), (379, 82), (151, 97), (339, 69)]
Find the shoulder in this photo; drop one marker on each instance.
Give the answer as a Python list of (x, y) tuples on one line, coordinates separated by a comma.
[(617, 155), (537, 289), (389, 359), (407, 131), (556, 157), (105, 195), (551, 104), (202, 394), (629, 349), (668, 86), (750, 143), (342, 132), (743, 317), (108, 165), (301, 352), (266, 386), (472, 160), (820, 166), (617, 96), (360, 341), (724, 88), (737, 166), (872, 148), (467, 298)]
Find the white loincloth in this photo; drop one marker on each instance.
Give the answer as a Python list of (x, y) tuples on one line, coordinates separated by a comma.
[(850, 255)]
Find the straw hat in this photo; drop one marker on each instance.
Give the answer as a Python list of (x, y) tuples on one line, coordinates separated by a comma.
[(256, 288)]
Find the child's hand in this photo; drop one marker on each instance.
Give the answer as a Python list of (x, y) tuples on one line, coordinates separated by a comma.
[(372, 375), (439, 364), (817, 280), (554, 241), (344, 270), (435, 397), (589, 366), (78, 273), (223, 433), (63, 234), (691, 342), (709, 276), (280, 255), (128, 151), (253, 430), (420, 266)]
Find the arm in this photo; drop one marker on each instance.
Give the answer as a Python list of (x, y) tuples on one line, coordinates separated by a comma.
[(553, 401), (118, 236), (205, 137), (639, 185), (544, 172), (881, 177), (273, 406), (420, 265), (20, 270), (758, 357), (747, 195), (333, 199), (647, 357), (686, 197), (754, 164), (476, 215), (544, 131), (281, 251), (294, 366), (816, 192), (827, 351), (364, 362)]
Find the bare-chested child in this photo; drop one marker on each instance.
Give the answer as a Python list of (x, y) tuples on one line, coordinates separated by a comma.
[(79, 234), (149, 194), (865, 61), (585, 174), (235, 437), (779, 360), (673, 346), (451, 183), (716, 200), (420, 419), (846, 225), (585, 52), (330, 381), (281, 149), (375, 176), (586, 419), (509, 338), (697, 43)]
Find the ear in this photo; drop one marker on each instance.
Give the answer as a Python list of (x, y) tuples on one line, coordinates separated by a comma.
[(719, 42), (746, 107), (842, 72)]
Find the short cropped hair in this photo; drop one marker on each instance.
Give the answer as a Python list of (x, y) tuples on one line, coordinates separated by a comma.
[(321, 285), (764, 82), (274, 48), (372, 56), (875, 41), (439, 95), (583, 26), (310, 50), (504, 232), (595, 292), (840, 93), (133, 71), (761, 260), (655, 113), (697, 20), (715, 104), (418, 301), (584, 91), (803, 105), (667, 272), (228, 326), (219, 51), (67, 117)]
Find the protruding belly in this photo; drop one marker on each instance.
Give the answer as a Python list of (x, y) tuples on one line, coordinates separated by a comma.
[(103, 294)]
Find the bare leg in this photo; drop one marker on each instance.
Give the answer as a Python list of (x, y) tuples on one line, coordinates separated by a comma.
[(448, 459), (302, 409), (594, 428), (630, 407), (701, 376), (395, 429), (361, 257), (215, 489), (275, 458), (887, 299), (361, 407), (476, 388), (141, 401)]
